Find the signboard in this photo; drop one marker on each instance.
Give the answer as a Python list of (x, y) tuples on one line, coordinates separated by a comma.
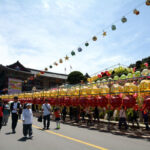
[(14, 86)]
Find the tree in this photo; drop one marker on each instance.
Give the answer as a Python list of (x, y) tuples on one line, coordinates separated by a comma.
[(75, 77)]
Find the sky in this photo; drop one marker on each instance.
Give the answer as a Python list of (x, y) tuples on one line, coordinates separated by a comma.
[(39, 32)]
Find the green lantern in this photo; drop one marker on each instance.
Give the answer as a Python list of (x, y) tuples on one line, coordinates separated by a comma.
[(50, 66), (113, 27), (73, 53), (116, 78), (123, 76), (137, 74), (86, 44), (94, 38), (124, 19), (130, 75)]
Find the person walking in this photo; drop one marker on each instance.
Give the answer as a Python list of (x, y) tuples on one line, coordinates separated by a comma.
[(46, 114), (6, 113), (1, 114), (57, 117), (15, 106), (122, 118), (145, 117), (64, 113), (27, 118)]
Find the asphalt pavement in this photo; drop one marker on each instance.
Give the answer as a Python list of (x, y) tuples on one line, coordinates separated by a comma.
[(67, 138)]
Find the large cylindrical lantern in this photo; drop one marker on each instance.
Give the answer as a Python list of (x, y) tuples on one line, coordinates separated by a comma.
[(102, 101), (146, 102), (129, 101), (115, 101)]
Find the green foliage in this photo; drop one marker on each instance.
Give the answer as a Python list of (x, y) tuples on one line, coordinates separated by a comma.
[(75, 77)]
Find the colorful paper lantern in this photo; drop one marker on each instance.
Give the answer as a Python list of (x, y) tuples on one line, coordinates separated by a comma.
[(41, 72), (55, 63), (50, 66), (60, 61), (136, 12), (148, 2), (73, 53), (66, 58), (46, 69), (104, 33), (79, 49), (94, 38), (146, 64), (113, 27), (124, 19), (86, 44)]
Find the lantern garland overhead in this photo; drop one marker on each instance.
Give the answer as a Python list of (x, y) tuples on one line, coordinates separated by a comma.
[(95, 38)]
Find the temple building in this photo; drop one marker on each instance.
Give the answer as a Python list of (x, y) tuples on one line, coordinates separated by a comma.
[(17, 78)]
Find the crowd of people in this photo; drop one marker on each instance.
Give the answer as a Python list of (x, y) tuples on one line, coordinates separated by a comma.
[(88, 115)]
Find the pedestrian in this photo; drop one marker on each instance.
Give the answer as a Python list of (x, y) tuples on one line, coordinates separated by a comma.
[(134, 118), (109, 116), (64, 113), (15, 106), (71, 113), (6, 113), (83, 114), (145, 117), (1, 114), (46, 108), (122, 118), (96, 114), (20, 112), (27, 118), (57, 117)]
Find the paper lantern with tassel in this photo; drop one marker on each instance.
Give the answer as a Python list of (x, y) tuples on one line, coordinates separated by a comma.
[(148, 2), (113, 27), (136, 12), (60, 61), (50, 66), (79, 49), (124, 19), (73, 53), (86, 44), (104, 33), (94, 38), (66, 58)]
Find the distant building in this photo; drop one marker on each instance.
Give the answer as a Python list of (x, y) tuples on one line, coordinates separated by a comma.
[(17, 74)]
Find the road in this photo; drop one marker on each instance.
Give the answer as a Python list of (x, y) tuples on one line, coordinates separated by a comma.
[(67, 138)]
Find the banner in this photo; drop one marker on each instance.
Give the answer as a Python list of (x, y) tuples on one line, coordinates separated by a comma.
[(14, 86)]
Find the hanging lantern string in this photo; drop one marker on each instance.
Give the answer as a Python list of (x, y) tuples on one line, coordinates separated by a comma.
[(108, 27), (118, 20)]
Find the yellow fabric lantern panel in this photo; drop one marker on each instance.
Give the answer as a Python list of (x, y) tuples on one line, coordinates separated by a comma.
[(84, 91), (77, 91), (144, 87), (63, 92), (130, 88), (104, 90), (95, 90), (116, 88)]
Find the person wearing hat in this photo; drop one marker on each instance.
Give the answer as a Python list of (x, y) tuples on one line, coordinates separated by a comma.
[(27, 117), (14, 107), (46, 114)]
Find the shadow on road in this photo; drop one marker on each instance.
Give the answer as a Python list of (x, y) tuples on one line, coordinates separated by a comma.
[(8, 133), (23, 139)]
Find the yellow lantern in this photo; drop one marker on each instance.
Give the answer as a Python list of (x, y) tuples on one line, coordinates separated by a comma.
[(116, 89), (130, 88), (144, 87)]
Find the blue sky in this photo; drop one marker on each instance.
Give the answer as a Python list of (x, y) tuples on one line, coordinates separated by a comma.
[(40, 32)]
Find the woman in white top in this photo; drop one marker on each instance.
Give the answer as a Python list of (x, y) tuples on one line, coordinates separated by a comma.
[(27, 118)]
